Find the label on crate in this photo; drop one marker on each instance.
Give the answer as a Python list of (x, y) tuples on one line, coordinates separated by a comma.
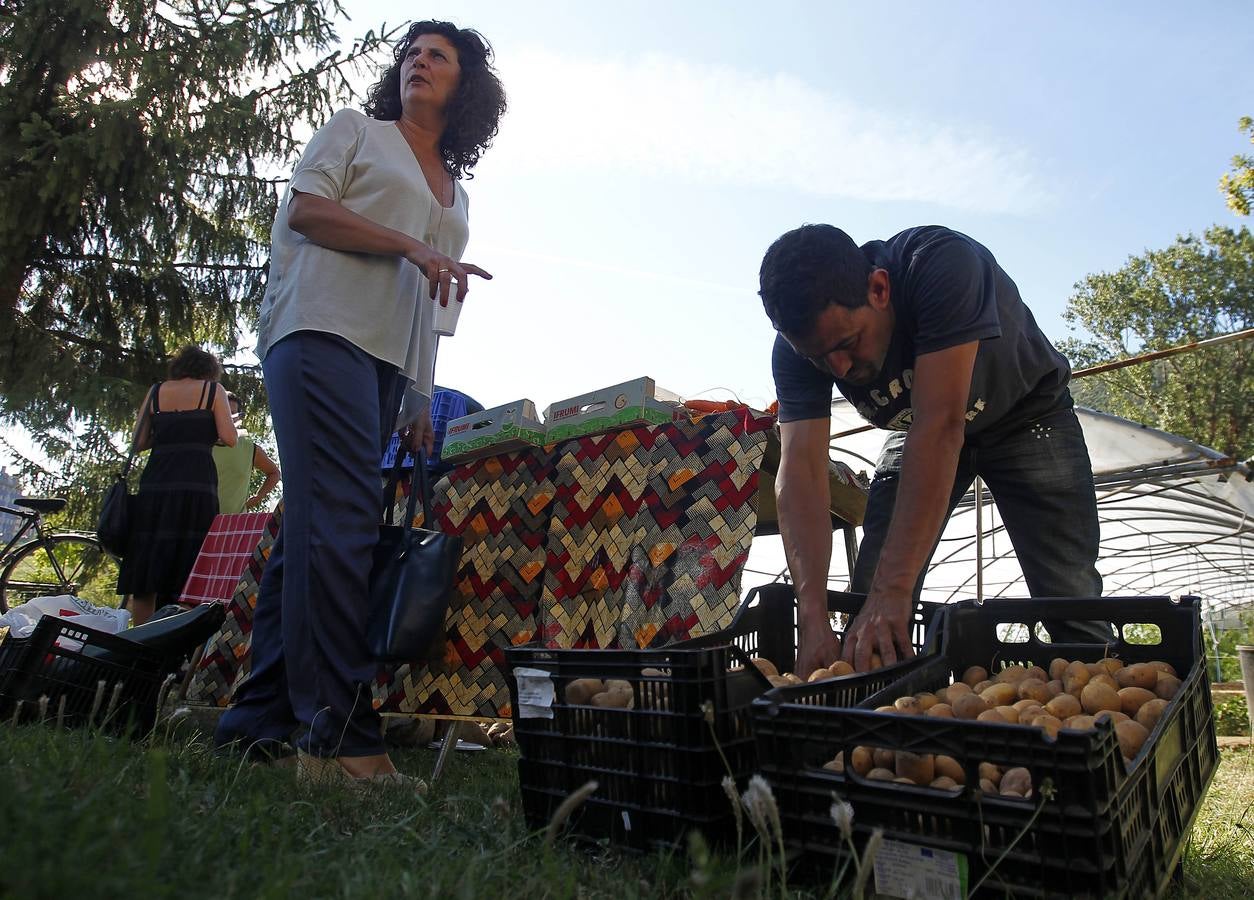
[(907, 871), (535, 693)]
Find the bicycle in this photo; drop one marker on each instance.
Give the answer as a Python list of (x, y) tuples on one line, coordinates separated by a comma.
[(49, 564)]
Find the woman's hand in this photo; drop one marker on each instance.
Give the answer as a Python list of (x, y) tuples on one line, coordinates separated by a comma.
[(420, 434), (442, 271)]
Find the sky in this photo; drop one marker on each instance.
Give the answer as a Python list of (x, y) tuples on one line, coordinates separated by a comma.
[(652, 151)]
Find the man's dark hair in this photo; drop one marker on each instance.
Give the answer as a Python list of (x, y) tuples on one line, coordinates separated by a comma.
[(475, 110), (808, 269), (192, 362)]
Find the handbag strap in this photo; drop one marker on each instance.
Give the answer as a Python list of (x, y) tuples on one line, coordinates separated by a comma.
[(422, 488), (143, 417)]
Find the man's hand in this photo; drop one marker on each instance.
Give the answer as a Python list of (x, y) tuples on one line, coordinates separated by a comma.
[(883, 627), (817, 648)]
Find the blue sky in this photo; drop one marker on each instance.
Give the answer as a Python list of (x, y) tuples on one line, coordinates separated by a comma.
[(653, 150)]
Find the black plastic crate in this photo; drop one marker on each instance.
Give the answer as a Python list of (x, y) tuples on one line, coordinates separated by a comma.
[(660, 765), (1107, 832), (104, 679)]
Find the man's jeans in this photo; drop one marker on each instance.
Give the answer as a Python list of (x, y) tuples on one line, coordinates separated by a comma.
[(1042, 481)]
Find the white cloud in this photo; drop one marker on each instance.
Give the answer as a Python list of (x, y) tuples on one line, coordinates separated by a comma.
[(718, 125)]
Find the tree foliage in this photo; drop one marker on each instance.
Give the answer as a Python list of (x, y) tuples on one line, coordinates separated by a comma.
[(1238, 185), (1193, 290), (145, 146)]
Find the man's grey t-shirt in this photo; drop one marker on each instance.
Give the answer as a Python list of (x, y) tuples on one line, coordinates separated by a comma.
[(946, 290)]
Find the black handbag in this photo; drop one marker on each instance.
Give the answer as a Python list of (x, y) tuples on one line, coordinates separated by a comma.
[(413, 578), (113, 527)]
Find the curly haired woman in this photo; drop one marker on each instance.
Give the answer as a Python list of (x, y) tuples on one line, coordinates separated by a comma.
[(373, 224)]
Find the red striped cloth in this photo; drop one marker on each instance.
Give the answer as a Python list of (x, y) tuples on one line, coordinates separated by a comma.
[(223, 557)]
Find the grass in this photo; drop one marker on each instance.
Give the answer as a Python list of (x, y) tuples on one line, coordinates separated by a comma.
[(84, 815)]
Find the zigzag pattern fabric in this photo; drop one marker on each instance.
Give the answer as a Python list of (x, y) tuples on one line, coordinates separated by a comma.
[(634, 538)]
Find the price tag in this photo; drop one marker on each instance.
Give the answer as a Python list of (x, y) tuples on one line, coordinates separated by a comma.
[(535, 693), (909, 871)]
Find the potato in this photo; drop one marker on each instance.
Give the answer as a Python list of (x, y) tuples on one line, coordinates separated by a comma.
[(941, 711), (1038, 673), (1018, 780), (950, 768), (1105, 679), (1011, 675), (908, 705), (1055, 686), (920, 768), (974, 675), (990, 772), (1064, 706), (1028, 713), (1149, 714), (1000, 694), (777, 680), (1057, 666), (1111, 715), (968, 706), (1167, 686), (792, 678), (1035, 689), (991, 715), (879, 774), (613, 699), (1132, 736), (1096, 697), (886, 709), (983, 686), (1080, 723), (956, 690), (1009, 713), (765, 666), (1047, 723), (840, 669), (1141, 675), (1110, 664), (819, 675), (1024, 704), (884, 758), (987, 786), (944, 783), (926, 701), (836, 763), (1075, 677), (1006, 792), (876, 662), (1132, 699), (617, 684), (1163, 667), (861, 760), (581, 690), (1094, 669)]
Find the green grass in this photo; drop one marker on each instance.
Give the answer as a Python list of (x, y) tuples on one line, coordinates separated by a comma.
[(84, 815)]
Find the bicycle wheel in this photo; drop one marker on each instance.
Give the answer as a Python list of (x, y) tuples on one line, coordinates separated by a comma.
[(60, 564)]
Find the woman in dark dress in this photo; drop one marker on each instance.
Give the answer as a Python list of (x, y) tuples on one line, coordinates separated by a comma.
[(180, 420)]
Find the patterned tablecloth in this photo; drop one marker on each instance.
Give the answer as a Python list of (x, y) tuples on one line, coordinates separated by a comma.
[(633, 538)]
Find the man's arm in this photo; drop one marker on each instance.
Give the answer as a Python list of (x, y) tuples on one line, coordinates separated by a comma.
[(803, 496), (942, 385), (263, 463)]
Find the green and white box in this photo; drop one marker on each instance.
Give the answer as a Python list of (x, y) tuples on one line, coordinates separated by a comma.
[(513, 426), (638, 402)]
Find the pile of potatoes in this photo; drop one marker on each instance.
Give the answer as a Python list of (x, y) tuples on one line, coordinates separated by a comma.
[(614, 693), (837, 669), (1072, 694)]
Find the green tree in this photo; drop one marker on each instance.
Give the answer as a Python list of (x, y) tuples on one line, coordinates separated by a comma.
[(1238, 185), (145, 143), (1193, 290)]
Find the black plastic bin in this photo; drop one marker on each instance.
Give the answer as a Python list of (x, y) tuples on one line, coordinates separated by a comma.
[(659, 766), (1108, 831), (63, 660)]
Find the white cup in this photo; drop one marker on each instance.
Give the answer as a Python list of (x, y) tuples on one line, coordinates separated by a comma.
[(444, 322)]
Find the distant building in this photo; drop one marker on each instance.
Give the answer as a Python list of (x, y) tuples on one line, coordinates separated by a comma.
[(10, 490)]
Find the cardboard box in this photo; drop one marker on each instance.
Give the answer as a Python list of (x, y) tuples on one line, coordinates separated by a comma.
[(638, 402), (497, 430)]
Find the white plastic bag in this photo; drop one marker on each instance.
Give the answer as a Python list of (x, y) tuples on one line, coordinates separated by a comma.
[(22, 619)]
